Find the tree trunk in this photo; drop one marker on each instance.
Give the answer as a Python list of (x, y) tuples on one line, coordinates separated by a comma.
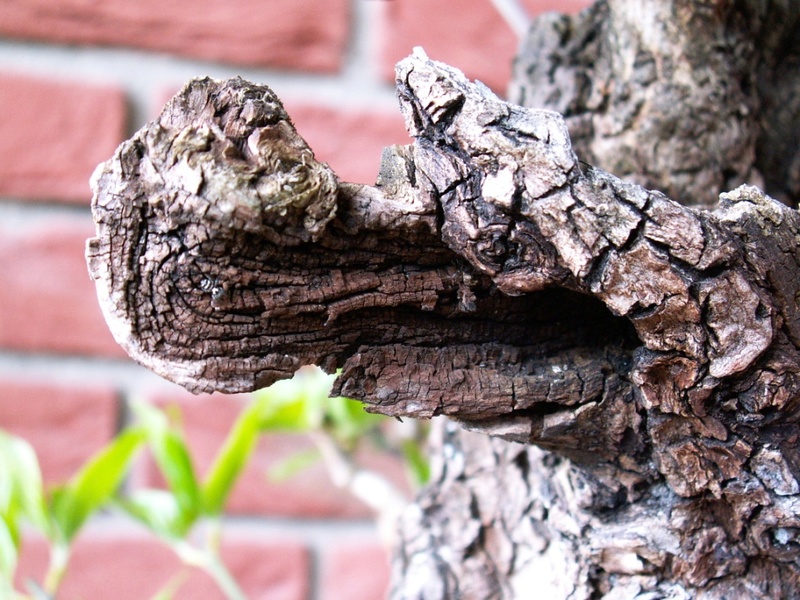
[(628, 366), (690, 98)]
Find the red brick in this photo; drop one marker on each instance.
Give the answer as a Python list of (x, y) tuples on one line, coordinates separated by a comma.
[(265, 569), (473, 38), (47, 300), (207, 420), (52, 135), (355, 571), (296, 34), (349, 141), (131, 565), (65, 425)]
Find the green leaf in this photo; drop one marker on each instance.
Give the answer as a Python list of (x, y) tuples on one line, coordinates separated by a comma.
[(298, 404), (8, 490), (95, 483), (231, 459), (9, 547), (290, 405), (22, 485), (173, 459), (12, 522), (291, 466), (286, 416), (348, 420), (283, 406), (158, 510), (417, 463)]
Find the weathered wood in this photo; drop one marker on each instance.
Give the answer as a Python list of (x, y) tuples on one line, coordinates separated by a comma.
[(690, 98), (491, 277)]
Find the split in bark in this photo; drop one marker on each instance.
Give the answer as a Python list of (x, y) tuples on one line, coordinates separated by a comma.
[(491, 277)]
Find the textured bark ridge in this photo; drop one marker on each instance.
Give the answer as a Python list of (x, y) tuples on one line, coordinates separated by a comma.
[(492, 277), (690, 98)]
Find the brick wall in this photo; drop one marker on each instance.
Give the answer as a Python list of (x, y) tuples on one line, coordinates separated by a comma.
[(77, 77)]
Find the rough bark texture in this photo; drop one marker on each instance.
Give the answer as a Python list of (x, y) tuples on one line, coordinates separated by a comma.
[(649, 351), (690, 98)]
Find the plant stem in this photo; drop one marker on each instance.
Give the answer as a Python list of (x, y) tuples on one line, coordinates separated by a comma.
[(214, 535), (209, 561), (373, 489), (514, 14), (59, 557), (223, 578)]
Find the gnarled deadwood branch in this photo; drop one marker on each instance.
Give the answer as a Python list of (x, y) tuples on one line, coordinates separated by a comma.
[(491, 277)]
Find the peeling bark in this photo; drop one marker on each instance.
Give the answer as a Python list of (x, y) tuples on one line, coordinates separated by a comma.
[(650, 347)]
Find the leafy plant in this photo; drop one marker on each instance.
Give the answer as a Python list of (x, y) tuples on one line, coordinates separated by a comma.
[(337, 426), (60, 514), (20, 498)]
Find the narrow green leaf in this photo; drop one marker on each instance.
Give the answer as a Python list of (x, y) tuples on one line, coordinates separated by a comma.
[(283, 407), (286, 417), (158, 510), (289, 405), (417, 463), (176, 465), (297, 404), (173, 459), (348, 420), (94, 484), (10, 508), (231, 459), (9, 548), (30, 490), (22, 484), (291, 466), (12, 521), (8, 465)]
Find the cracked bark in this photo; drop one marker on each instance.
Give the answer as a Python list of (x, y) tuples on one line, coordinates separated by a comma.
[(644, 353), (690, 98)]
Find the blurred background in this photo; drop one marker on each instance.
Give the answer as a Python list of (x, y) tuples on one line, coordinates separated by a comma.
[(78, 77)]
